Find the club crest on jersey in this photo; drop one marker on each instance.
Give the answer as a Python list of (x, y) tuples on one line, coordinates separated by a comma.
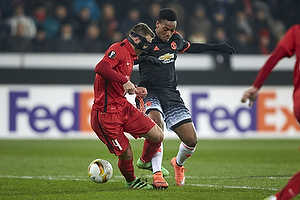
[(173, 45), (112, 54), (167, 58)]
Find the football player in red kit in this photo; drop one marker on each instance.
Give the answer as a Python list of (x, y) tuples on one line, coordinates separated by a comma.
[(112, 114), (288, 46)]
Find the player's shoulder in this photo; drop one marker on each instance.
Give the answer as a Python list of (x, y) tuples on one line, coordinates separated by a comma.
[(116, 49), (295, 28), (177, 35)]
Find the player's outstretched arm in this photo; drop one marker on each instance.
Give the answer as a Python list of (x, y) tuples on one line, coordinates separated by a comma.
[(146, 58), (250, 94), (224, 48), (201, 47)]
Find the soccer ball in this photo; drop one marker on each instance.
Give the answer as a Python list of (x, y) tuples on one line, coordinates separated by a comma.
[(100, 171)]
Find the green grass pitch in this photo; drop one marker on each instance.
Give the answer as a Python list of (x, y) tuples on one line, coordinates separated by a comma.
[(219, 169)]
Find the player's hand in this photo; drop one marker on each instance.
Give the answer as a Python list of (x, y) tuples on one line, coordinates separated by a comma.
[(224, 48), (129, 88), (153, 60), (150, 59), (141, 91), (250, 94)]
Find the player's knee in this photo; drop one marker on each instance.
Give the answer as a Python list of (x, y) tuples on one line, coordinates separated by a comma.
[(157, 118), (127, 154), (159, 135)]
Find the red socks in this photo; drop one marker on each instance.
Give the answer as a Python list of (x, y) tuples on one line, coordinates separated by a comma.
[(149, 150), (291, 189), (126, 168)]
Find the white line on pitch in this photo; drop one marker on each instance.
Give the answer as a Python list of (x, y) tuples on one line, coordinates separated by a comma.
[(82, 178)]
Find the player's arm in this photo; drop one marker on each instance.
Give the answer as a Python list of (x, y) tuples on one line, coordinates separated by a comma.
[(104, 69), (146, 58), (201, 47), (264, 72), (252, 92)]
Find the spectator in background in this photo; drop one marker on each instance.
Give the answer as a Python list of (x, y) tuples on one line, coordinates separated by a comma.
[(45, 21), (199, 23), (117, 36), (82, 21), (219, 19), (264, 45), (239, 23), (20, 42), (92, 42), (133, 17), (66, 41), (261, 22), (4, 33), (61, 15), (197, 37), (241, 42), (222, 61), (241, 33), (108, 22), (91, 5), (19, 17), (40, 43), (152, 14)]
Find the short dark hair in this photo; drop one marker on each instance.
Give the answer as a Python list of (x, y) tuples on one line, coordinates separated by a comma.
[(168, 14), (143, 30)]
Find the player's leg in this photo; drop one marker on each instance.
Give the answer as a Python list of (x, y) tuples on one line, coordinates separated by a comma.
[(125, 165), (156, 161), (154, 111), (113, 137), (187, 134), (291, 189), (178, 119), (152, 143)]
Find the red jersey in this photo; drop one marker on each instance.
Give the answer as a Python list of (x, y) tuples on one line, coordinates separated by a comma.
[(287, 47), (108, 93)]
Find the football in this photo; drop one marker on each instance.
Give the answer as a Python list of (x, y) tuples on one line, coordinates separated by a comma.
[(100, 171)]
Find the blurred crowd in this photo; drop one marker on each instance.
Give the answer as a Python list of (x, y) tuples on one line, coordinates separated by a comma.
[(250, 26)]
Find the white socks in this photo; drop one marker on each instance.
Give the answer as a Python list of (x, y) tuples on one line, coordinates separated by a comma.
[(157, 159), (184, 153)]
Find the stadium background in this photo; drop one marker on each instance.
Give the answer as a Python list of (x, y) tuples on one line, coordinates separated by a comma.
[(46, 78)]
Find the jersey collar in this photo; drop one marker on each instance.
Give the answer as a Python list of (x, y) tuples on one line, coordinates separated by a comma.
[(129, 47)]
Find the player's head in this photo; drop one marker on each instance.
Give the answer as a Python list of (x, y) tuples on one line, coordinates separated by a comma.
[(141, 37), (166, 24)]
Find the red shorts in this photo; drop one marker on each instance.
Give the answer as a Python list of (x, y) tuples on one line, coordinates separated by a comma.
[(110, 127)]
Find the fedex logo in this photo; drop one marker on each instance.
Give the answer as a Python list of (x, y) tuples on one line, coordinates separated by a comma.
[(243, 118), (41, 118)]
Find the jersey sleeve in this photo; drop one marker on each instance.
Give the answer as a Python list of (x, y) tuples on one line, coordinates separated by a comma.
[(183, 45), (105, 67), (288, 42), (113, 56)]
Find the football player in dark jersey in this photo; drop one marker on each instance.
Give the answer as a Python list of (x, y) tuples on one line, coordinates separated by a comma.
[(163, 101)]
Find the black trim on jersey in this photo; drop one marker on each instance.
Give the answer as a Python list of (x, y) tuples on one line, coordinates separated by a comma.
[(181, 123), (122, 44), (109, 144), (105, 98)]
